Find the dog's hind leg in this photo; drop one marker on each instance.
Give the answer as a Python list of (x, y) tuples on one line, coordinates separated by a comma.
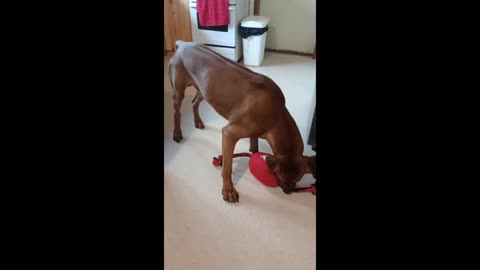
[(196, 103), (178, 96), (178, 86), (179, 79)]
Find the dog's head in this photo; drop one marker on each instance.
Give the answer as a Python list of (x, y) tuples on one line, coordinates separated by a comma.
[(290, 171)]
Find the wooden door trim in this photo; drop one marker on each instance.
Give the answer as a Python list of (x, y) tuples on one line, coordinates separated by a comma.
[(256, 7)]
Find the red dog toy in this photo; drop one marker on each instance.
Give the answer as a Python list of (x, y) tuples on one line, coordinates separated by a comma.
[(259, 168)]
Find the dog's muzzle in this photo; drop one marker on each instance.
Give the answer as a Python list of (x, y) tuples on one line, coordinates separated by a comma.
[(288, 188)]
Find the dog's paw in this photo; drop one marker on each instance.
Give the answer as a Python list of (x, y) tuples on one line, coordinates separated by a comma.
[(177, 135), (230, 195), (199, 124)]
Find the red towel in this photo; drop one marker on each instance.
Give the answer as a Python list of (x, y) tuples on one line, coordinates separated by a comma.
[(213, 12)]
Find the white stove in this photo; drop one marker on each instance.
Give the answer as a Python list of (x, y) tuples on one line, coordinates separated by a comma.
[(224, 39)]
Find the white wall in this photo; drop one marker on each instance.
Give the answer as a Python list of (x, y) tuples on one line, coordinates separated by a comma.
[(292, 24)]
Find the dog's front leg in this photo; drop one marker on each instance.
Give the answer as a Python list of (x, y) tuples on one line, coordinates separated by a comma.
[(254, 144), (228, 145)]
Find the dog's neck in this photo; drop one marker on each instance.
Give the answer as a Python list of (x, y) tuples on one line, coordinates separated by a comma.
[(284, 138)]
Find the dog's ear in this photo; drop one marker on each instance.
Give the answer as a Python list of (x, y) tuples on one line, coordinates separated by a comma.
[(271, 162), (310, 165)]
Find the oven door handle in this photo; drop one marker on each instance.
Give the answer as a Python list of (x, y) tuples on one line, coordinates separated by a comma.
[(192, 6)]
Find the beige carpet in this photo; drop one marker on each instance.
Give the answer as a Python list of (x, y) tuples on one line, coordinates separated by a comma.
[(267, 229)]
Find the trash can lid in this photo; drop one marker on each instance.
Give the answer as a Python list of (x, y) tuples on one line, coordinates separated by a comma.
[(255, 21)]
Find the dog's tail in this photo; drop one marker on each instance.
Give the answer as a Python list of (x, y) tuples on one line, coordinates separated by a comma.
[(179, 43)]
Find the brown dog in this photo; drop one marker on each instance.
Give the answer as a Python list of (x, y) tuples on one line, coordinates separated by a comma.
[(253, 105)]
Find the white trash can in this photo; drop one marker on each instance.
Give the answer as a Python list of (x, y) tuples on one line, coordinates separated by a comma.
[(253, 30)]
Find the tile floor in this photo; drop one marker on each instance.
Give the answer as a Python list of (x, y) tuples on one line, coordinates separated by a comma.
[(267, 229)]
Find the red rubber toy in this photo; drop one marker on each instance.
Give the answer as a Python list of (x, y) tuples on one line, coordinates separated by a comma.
[(259, 168)]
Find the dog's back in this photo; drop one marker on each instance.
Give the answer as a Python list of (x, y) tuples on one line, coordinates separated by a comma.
[(215, 75)]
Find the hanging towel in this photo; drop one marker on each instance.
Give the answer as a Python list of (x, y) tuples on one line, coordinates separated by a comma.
[(213, 12)]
